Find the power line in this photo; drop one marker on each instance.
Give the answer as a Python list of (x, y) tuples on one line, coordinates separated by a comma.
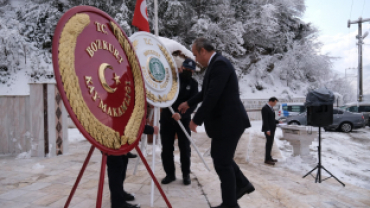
[(363, 6), (349, 31), (350, 13)]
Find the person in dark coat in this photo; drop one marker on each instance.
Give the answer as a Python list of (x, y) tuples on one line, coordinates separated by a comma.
[(117, 167), (170, 127), (269, 127), (224, 117)]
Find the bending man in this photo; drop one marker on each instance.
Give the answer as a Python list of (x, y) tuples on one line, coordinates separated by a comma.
[(224, 117)]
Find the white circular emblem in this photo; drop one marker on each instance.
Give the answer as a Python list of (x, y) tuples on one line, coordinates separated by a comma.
[(159, 69)]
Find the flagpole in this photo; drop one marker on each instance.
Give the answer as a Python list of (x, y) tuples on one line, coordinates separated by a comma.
[(156, 109), (156, 33), (155, 136)]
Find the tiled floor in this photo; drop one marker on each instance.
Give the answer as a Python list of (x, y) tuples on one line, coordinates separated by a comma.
[(47, 182)]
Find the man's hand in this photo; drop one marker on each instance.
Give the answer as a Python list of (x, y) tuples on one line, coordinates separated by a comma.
[(193, 126), (156, 130), (183, 107), (176, 116), (268, 133)]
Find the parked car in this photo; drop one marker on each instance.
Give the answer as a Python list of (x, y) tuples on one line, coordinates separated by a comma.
[(361, 107), (342, 120), (283, 110)]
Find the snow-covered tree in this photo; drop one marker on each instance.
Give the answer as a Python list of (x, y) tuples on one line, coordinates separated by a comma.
[(122, 18), (266, 40), (218, 23), (339, 84), (3, 2)]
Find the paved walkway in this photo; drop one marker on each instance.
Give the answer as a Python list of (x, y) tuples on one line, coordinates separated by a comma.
[(47, 182)]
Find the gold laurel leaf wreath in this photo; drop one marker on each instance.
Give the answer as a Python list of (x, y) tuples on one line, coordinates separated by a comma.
[(103, 134), (138, 113), (171, 94)]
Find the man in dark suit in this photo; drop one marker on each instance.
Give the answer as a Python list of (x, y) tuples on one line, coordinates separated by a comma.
[(170, 127), (117, 167), (224, 117), (268, 127)]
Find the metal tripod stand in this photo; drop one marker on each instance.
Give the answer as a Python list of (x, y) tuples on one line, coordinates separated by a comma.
[(319, 166)]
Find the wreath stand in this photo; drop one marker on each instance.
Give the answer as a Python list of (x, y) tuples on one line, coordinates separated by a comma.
[(102, 174)]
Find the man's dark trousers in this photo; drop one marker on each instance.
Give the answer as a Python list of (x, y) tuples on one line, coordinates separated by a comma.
[(117, 166), (168, 131), (232, 179), (269, 143)]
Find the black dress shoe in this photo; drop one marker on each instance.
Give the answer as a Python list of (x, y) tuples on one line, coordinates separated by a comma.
[(274, 160), (130, 155), (168, 179), (249, 188), (186, 180), (269, 162), (128, 196), (223, 206), (128, 205)]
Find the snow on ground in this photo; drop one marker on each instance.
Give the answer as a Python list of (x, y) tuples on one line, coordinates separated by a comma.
[(74, 135), (201, 128), (278, 89), (344, 155), (38, 166), (24, 155)]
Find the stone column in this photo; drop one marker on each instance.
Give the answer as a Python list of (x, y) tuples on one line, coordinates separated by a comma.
[(36, 110), (48, 120)]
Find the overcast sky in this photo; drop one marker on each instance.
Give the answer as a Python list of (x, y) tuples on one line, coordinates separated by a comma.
[(331, 17)]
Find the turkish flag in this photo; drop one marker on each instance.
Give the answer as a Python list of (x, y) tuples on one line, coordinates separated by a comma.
[(140, 19)]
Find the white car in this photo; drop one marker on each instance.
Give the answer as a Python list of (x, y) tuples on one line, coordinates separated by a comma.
[(283, 110)]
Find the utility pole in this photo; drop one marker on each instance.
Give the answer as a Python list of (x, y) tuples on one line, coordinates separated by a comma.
[(360, 42)]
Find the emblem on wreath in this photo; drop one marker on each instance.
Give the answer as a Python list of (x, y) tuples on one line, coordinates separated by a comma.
[(156, 69)]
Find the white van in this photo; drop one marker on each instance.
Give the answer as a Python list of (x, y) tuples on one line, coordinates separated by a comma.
[(283, 110)]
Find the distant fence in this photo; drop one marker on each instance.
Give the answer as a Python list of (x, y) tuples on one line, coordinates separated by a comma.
[(35, 123), (254, 106)]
